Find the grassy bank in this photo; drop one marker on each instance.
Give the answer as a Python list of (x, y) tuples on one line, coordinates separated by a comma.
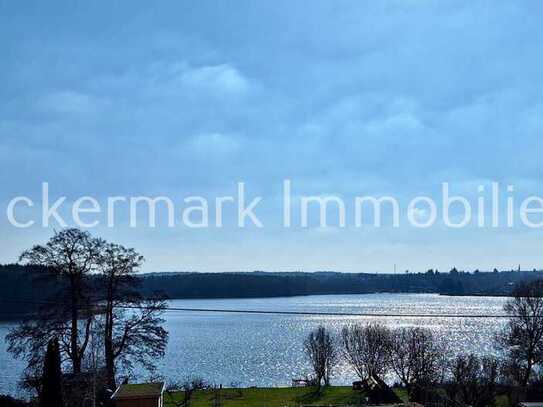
[(276, 397)]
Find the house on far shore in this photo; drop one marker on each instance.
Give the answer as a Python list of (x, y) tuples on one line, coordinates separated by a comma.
[(139, 395)]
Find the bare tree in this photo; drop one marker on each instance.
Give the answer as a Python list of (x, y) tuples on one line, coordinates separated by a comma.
[(473, 380), (138, 336), (522, 337), (321, 351), (71, 256), (118, 266), (416, 358), (366, 349)]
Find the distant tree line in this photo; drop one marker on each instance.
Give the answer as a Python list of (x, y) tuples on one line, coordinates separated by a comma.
[(21, 286), (262, 284)]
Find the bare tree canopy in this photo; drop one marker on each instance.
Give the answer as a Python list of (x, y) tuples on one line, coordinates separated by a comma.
[(522, 337), (138, 336), (321, 351), (473, 380), (366, 348), (132, 324), (416, 357)]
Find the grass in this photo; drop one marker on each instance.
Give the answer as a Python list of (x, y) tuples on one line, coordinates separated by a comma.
[(502, 401), (277, 397)]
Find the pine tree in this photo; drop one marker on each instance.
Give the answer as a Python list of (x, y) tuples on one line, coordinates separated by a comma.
[(51, 395)]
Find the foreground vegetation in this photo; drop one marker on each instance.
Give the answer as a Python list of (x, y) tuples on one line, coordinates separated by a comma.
[(275, 397)]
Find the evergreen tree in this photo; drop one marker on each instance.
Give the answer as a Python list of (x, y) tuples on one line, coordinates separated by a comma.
[(51, 395)]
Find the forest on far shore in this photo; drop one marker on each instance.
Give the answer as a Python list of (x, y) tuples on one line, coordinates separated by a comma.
[(23, 287)]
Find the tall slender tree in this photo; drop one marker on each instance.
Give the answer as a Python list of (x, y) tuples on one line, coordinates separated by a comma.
[(51, 393)]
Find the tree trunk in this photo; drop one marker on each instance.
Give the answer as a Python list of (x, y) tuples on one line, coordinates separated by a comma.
[(109, 352), (527, 374), (108, 349), (74, 345)]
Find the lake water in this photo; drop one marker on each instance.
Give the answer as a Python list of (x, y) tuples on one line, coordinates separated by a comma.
[(267, 350)]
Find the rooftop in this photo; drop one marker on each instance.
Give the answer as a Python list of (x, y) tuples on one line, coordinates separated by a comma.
[(136, 391)]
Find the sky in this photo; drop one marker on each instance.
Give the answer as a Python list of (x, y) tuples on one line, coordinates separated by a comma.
[(344, 98)]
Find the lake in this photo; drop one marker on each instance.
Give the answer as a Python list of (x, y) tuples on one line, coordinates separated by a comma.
[(267, 350)]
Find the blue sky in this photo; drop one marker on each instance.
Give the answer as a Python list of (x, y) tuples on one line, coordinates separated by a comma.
[(342, 97)]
